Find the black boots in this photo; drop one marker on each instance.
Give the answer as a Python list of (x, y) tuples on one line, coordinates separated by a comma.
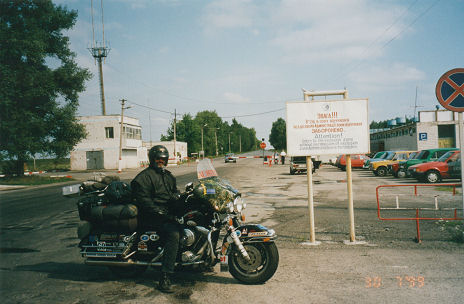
[(165, 283)]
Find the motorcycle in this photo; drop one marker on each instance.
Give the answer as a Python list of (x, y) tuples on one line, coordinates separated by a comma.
[(212, 210)]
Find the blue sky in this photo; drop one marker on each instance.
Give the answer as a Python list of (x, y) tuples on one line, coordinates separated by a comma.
[(244, 57)]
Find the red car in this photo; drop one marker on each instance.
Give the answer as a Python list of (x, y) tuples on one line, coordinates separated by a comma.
[(434, 172), (357, 161)]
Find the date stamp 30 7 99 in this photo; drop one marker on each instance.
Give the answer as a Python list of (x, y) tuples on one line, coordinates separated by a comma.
[(400, 281)]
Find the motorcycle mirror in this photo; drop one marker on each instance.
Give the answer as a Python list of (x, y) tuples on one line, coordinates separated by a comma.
[(189, 186)]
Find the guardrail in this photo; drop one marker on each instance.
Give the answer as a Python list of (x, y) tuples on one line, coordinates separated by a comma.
[(417, 218)]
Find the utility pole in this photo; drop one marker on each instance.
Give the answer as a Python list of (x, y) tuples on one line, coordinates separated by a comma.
[(202, 150), (175, 154), (120, 134), (229, 142), (215, 137), (240, 140)]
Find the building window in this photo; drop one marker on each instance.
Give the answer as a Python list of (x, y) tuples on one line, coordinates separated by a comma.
[(109, 132), (132, 133)]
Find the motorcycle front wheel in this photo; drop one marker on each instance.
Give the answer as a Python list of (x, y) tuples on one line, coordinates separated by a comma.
[(264, 259)]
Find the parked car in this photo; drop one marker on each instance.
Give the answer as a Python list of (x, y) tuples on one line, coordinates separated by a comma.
[(230, 158), (357, 161), (454, 167), (394, 169), (298, 164), (434, 172), (424, 156), (378, 156), (380, 168)]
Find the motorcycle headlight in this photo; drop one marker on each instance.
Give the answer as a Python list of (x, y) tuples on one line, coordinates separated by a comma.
[(230, 206), (239, 204)]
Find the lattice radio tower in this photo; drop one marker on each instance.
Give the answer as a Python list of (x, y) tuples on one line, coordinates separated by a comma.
[(99, 51)]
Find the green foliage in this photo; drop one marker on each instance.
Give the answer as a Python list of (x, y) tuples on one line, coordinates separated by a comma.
[(40, 81), (278, 136), (454, 228), (189, 130)]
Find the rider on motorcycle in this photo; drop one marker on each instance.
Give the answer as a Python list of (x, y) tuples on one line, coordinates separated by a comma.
[(156, 193)]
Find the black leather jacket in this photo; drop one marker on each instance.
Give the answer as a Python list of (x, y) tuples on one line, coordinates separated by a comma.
[(154, 189)]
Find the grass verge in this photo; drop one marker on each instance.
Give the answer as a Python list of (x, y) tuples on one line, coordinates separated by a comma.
[(33, 180)]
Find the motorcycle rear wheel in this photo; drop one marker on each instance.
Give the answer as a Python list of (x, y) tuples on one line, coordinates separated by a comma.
[(263, 264)]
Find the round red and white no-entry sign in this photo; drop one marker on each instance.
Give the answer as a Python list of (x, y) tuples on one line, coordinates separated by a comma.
[(450, 90)]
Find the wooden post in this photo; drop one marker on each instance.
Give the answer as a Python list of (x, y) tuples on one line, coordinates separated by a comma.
[(349, 184), (309, 173)]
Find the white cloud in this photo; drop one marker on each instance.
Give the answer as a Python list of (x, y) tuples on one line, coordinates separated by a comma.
[(229, 14), (142, 4), (235, 98), (336, 30), (386, 77), (311, 30)]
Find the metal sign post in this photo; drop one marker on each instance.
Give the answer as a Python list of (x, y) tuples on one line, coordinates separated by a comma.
[(450, 94), (461, 145)]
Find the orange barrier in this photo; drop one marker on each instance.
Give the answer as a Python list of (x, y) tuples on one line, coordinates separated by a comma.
[(417, 218)]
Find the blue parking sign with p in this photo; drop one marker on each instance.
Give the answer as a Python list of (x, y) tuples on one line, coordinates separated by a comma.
[(422, 136)]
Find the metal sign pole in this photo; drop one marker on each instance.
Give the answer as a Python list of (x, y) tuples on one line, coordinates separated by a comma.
[(309, 174), (461, 145)]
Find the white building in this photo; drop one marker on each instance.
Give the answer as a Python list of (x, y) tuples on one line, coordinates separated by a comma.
[(100, 150), (435, 129), (180, 150)]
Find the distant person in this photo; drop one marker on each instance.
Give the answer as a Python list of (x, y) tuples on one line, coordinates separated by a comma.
[(282, 157)]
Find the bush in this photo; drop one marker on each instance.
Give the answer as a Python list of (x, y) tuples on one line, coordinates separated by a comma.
[(454, 228)]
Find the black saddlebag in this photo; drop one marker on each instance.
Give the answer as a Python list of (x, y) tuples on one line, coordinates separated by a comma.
[(113, 212), (115, 217), (86, 204)]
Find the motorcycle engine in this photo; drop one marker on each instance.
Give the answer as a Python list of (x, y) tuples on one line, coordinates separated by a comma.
[(191, 243), (188, 238)]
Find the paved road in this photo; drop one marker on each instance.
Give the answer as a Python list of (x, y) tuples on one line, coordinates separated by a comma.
[(41, 264)]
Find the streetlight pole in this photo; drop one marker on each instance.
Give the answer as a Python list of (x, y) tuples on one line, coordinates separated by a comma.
[(229, 142), (215, 137), (202, 151), (202, 148), (120, 134), (240, 139)]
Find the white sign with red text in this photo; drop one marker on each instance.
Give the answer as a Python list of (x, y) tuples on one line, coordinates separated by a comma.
[(327, 127)]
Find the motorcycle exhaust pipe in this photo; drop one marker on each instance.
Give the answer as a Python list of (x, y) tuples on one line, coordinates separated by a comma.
[(134, 263), (121, 263)]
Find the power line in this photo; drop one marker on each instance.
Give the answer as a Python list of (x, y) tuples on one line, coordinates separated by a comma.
[(361, 61), (181, 114), (192, 98)]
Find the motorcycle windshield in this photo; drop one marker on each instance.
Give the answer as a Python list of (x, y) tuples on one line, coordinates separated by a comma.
[(217, 191), (205, 169)]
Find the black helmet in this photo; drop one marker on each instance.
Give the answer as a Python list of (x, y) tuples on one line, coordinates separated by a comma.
[(158, 152)]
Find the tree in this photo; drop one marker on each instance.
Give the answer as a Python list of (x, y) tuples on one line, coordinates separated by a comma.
[(278, 136), (186, 131), (189, 131), (40, 81)]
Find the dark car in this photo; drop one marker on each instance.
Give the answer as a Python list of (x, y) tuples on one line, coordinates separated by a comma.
[(230, 158), (454, 168)]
